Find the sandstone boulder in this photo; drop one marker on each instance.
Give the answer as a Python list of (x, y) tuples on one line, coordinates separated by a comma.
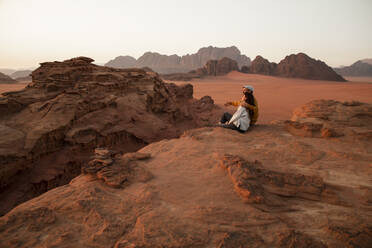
[(328, 118)]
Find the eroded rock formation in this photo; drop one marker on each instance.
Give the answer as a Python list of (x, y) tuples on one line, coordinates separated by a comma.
[(295, 66), (211, 68), (50, 129), (172, 64), (261, 65), (213, 187), (328, 118)]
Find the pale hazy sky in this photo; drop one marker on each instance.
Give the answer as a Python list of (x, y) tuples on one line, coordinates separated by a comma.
[(32, 31)]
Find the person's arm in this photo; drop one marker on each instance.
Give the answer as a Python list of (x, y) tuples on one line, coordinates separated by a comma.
[(234, 103), (236, 115), (248, 106)]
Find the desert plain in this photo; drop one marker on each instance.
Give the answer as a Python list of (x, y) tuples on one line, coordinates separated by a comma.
[(277, 97)]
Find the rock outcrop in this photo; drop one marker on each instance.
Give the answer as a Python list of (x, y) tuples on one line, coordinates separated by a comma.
[(295, 66), (358, 69), (328, 118), (172, 64), (212, 187), (302, 66), (211, 68), (50, 129), (261, 65), (4, 79), (218, 67)]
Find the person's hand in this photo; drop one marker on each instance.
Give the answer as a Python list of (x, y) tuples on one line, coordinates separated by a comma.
[(228, 104)]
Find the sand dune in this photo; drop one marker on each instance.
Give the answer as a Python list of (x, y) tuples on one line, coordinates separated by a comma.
[(277, 97)]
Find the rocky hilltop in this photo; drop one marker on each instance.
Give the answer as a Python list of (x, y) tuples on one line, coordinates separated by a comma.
[(4, 79), (215, 187), (49, 129), (211, 68), (295, 66), (180, 64), (368, 61), (122, 62), (358, 69)]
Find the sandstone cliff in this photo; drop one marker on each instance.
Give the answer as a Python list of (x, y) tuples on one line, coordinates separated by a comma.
[(211, 68), (214, 187), (295, 66), (180, 64), (49, 129)]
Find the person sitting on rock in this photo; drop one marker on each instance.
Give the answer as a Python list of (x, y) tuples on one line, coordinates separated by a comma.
[(246, 114)]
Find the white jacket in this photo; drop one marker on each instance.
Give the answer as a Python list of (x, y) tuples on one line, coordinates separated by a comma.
[(241, 119)]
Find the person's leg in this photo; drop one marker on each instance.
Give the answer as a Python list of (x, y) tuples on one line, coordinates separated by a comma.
[(225, 117), (232, 126)]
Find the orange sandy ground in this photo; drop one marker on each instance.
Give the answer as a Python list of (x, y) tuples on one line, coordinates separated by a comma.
[(11, 87), (278, 97)]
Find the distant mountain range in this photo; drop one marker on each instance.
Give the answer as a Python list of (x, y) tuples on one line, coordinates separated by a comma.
[(7, 71), (358, 69), (21, 75), (165, 64), (5, 79)]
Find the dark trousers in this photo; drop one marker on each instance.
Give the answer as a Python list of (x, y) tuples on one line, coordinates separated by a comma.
[(225, 118)]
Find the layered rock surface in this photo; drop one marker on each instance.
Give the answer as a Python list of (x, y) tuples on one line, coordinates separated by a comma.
[(165, 64), (50, 129), (212, 187), (329, 118), (295, 66)]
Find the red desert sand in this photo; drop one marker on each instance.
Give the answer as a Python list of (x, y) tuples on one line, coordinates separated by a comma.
[(277, 97)]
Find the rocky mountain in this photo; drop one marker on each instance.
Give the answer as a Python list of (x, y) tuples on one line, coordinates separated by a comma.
[(51, 128), (4, 79), (359, 68), (24, 74), (368, 61), (181, 64), (122, 62), (295, 66), (7, 71), (215, 187), (302, 66), (261, 65), (211, 68)]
